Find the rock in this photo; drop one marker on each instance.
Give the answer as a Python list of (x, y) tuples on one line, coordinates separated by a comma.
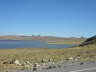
[(17, 62), (35, 66), (51, 67), (71, 58), (81, 63), (77, 58), (27, 63), (45, 60)]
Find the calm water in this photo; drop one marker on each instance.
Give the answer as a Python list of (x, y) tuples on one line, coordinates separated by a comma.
[(30, 44)]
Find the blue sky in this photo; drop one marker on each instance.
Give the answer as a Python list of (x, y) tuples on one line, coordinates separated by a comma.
[(66, 18)]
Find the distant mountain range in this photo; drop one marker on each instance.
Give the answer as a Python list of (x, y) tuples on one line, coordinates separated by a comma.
[(48, 39), (36, 38)]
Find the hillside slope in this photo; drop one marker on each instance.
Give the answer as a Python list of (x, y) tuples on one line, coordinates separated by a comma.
[(91, 40)]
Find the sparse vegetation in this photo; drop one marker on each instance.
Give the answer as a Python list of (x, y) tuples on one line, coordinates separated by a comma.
[(36, 55)]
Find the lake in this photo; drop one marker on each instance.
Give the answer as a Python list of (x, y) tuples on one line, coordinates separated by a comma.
[(30, 44)]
